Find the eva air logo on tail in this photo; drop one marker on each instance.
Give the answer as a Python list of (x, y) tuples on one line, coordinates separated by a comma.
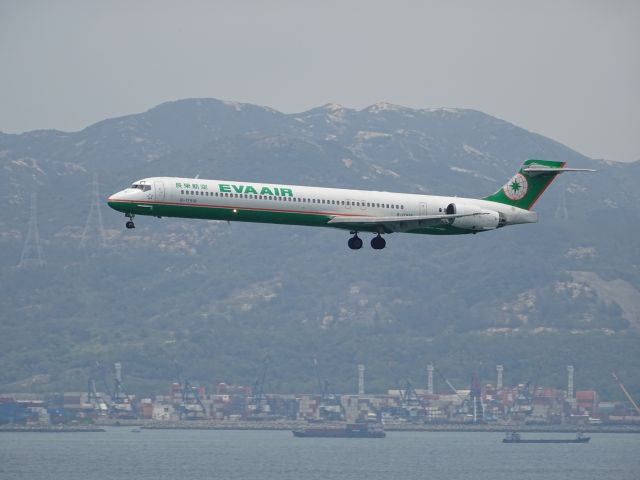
[(516, 187)]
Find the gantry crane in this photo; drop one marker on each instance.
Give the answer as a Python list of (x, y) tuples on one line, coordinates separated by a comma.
[(626, 393)]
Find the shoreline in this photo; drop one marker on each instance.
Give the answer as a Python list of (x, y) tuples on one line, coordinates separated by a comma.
[(100, 425), (388, 427), (50, 429)]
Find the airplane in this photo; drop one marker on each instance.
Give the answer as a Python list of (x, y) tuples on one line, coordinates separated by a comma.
[(354, 210)]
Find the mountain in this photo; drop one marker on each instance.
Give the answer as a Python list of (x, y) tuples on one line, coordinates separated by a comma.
[(215, 300)]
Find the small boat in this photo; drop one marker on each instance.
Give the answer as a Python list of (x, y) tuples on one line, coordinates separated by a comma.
[(136, 430), (514, 437), (352, 430)]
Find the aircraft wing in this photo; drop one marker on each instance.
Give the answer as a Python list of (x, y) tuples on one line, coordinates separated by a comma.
[(395, 224)]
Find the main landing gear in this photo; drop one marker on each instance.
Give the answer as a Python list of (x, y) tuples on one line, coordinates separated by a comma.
[(130, 223), (355, 242), (377, 243)]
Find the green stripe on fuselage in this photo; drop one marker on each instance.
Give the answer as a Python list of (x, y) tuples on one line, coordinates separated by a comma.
[(255, 215)]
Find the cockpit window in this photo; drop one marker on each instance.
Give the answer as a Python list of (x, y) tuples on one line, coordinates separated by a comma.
[(144, 188)]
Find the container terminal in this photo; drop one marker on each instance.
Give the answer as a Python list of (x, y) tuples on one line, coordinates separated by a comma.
[(490, 407)]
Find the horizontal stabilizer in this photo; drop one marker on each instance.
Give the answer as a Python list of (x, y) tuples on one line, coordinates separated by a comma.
[(534, 170)]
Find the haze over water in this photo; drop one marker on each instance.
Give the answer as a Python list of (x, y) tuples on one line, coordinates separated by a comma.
[(194, 454)]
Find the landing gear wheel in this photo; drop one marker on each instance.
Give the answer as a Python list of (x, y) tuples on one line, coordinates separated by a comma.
[(129, 223), (378, 243), (355, 242)]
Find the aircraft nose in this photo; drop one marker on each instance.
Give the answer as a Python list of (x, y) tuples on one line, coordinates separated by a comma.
[(114, 200)]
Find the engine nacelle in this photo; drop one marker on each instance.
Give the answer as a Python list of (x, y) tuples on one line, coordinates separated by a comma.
[(482, 220)]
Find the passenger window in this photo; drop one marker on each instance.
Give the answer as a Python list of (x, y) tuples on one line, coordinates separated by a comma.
[(181, 192)]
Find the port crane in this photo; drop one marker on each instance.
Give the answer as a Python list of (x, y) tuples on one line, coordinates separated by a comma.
[(330, 407), (257, 404), (191, 406), (626, 393), (453, 389), (99, 405), (122, 405), (522, 403), (473, 405), (410, 401), (411, 406)]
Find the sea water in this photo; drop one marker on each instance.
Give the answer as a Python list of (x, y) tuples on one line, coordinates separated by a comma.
[(120, 453)]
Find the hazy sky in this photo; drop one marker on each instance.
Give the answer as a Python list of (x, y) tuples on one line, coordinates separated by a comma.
[(569, 70)]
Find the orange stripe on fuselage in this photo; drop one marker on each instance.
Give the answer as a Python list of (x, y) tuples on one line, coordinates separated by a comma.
[(238, 208)]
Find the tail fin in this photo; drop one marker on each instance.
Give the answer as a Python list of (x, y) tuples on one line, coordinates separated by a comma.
[(525, 187)]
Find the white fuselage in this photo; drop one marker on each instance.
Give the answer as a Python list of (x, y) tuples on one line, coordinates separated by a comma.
[(160, 196)]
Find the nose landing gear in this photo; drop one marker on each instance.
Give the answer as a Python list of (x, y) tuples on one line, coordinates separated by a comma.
[(129, 223), (378, 243), (355, 242)]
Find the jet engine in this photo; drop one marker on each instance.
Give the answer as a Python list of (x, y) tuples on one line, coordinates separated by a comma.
[(478, 219)]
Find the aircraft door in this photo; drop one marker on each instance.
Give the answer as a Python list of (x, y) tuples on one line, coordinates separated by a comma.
[(159, 190), (423, 209)]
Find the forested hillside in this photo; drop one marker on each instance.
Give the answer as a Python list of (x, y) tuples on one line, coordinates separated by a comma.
[(215, 300)]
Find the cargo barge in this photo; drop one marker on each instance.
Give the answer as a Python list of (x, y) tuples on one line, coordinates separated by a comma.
[(350, 430), (514, 437)]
